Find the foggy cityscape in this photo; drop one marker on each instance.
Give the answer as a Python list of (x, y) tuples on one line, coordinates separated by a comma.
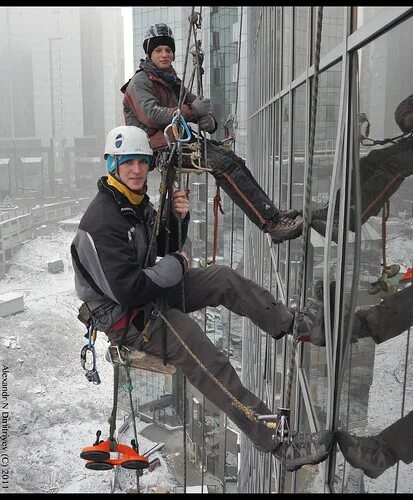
[(62, 73)]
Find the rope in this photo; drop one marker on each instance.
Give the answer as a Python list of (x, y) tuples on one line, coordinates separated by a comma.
[(217, 206), (384, 217), (306, 221), (130, 389), (246, 410), (239, 59), (181, 92), (366, 141), (112, 418), (192, 20)]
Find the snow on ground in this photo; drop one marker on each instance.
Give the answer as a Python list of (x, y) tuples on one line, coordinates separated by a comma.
[(53, 410)]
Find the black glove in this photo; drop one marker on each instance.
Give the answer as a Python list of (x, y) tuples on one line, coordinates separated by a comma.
[(202, 106), (208, 123)]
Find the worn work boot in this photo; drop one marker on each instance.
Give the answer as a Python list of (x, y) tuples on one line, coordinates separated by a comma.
[(320, 213), (391, 271), (311, 317), (383, 286), (311, 323), (321, 227), (302, 449), (372, 454), (287, 225)]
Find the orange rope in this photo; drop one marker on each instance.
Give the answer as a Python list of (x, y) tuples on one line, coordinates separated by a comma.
[(217, 205)]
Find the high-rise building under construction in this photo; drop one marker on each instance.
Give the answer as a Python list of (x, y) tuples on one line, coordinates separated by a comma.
[(306, 97)]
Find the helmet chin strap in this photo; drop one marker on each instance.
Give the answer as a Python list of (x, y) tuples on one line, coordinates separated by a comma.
[(116, 175)]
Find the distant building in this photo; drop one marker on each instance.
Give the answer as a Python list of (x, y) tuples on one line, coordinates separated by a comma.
[(60, 81)]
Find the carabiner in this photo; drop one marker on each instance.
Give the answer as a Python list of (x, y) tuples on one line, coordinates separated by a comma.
[(91, 374), (166, 135), (119, 359), (185, 127)]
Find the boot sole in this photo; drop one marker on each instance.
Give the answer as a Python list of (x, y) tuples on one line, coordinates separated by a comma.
[(315, 462)]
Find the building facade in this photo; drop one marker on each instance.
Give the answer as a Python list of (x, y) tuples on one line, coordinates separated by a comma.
[(341, 385), (259, 66)]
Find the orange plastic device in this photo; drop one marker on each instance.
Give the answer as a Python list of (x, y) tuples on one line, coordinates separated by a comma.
[(98, 456)]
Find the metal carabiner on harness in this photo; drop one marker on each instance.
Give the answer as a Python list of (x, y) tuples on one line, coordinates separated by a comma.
[(166, 135), (182, 122), (118, 358), (91, 373), (147, 330)]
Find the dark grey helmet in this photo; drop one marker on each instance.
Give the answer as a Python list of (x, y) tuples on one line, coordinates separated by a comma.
[(158, 34)]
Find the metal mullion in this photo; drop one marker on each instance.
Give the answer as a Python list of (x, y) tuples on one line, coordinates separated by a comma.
[(308, 403), (340, 158), (272, 51), (330, 59), (289, 163), (302, 382), (377, 26), (263, 47)]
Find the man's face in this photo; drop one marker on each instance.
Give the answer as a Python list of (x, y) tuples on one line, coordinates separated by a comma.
[(133, 173), (162, 56)]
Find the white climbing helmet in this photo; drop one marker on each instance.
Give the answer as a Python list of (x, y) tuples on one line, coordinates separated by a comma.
[(127, 140)]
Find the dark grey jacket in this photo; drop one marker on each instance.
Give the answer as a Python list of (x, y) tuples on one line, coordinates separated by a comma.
[(150, 103), (109, 251)]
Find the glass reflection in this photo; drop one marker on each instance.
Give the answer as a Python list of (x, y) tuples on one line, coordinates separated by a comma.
[(372, 403)]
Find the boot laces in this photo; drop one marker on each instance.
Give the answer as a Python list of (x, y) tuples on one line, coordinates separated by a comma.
[(286, 221)]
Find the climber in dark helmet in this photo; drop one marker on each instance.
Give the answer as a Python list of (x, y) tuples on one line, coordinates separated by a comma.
[(151, 98), (382, 171), (122, 289)]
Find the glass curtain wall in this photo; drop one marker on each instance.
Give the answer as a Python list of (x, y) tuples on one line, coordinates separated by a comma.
[(362, 178)]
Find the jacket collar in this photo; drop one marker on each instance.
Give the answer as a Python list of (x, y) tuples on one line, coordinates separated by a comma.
[(122, 201)]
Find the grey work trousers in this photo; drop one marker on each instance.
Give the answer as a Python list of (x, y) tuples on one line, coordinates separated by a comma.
[(386, 320), (213, 286), (391, 317), (399, 437)]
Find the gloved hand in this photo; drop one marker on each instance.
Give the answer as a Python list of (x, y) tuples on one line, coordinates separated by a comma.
[(202, 106), (208, 123)]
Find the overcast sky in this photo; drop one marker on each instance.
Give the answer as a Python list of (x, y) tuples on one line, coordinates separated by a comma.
[(128, 41)]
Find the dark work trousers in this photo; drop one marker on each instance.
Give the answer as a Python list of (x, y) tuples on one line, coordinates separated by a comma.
[(381, 173), (391, 317), (213, 286), (399, 437), (234, 177), (388, 319)]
